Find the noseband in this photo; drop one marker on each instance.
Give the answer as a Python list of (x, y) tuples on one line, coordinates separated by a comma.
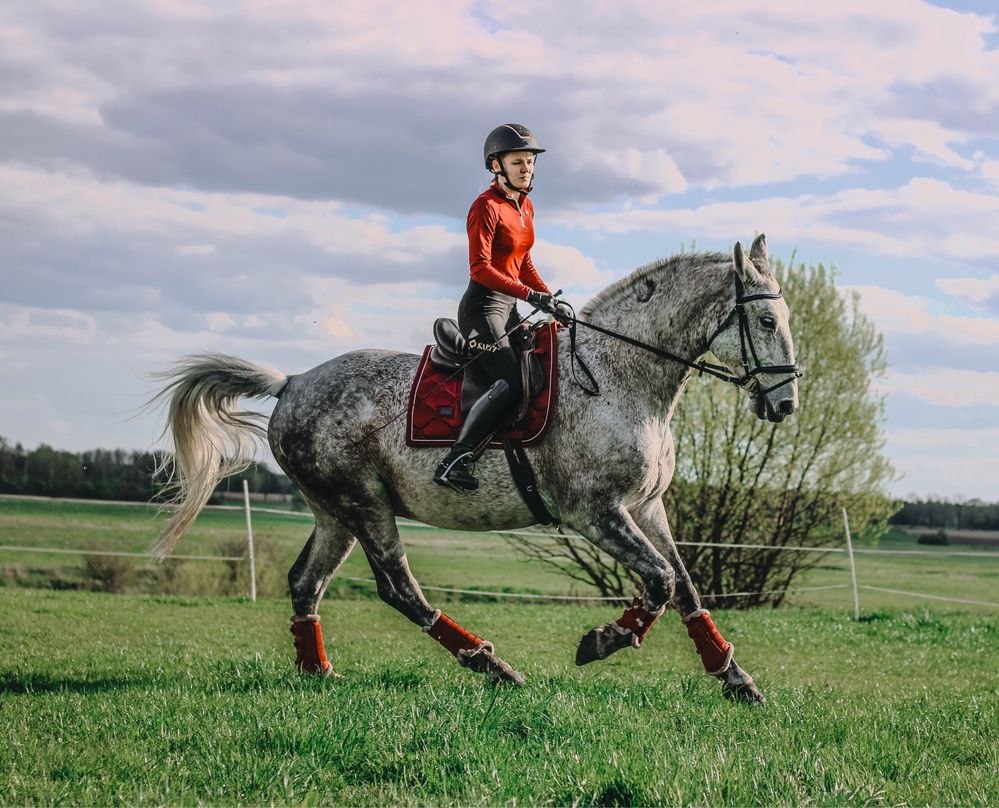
[(747, 381)]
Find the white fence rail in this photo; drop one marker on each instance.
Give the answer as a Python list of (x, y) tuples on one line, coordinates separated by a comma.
[(406, 524)]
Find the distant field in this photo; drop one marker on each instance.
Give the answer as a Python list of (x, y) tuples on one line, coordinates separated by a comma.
[(439, 558), (115, 699)]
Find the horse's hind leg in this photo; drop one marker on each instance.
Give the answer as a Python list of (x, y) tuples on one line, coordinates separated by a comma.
[(716, 654), (376, 529), (327, 548)]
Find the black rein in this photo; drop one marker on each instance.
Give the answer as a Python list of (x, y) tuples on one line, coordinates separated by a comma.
[(718, 371)]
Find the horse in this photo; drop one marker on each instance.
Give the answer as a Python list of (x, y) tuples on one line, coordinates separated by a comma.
[(602, 468)]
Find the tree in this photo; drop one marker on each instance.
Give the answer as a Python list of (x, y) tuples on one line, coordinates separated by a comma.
[(741, 481)]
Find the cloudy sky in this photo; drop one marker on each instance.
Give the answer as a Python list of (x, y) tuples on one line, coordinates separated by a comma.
[(289, 181)]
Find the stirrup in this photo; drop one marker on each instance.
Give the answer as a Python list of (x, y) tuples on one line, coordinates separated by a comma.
[(442, 478)]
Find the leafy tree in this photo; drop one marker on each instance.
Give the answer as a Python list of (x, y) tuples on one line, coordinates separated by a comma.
[(741, 481)]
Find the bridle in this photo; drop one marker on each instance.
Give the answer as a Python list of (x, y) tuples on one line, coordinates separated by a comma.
[(747, 381)]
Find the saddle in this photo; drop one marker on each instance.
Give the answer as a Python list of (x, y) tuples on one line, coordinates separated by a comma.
[(442, 394), (452, 351)]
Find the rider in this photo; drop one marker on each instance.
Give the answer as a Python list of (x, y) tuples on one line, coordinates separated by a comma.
[(500, 235)]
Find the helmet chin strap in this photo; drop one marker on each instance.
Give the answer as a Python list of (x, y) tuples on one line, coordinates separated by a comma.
[(510, 185)]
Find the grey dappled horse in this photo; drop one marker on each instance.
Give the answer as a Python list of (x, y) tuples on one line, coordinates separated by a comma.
[(602, 469)]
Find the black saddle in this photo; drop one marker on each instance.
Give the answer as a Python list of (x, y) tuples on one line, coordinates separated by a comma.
[(452, 351)]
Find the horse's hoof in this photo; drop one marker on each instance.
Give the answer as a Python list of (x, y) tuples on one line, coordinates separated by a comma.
[(326, 672), (746, 692), (600, 643), (495, 669)]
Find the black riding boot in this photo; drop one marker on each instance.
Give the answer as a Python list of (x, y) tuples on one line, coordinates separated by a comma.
[(457, 469)]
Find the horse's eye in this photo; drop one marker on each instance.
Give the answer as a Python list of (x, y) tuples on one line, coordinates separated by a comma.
[(769, 321)]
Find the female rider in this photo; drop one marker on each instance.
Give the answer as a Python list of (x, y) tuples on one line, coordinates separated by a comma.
[(500, 235)]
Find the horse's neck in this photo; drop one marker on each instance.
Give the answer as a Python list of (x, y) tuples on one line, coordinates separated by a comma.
[(694, 304)]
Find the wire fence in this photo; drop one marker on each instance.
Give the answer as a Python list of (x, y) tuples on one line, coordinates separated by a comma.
[(406, 524)]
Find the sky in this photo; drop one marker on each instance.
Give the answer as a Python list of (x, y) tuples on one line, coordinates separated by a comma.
[(289, 181)]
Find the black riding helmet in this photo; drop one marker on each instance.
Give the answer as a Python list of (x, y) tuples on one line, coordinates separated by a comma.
[(507, 138)]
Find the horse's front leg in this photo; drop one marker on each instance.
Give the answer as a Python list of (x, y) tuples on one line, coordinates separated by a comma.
[(614, 531), (716, 653)]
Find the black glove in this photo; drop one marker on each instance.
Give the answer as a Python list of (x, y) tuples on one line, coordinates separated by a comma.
[(541, 300), (563, 313)]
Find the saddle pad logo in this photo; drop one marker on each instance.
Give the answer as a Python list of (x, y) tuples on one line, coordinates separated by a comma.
[(478, 345)]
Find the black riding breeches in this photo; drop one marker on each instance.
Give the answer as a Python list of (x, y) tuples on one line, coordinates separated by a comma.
[(483, 317)]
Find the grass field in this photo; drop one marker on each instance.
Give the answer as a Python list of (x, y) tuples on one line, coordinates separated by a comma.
[(182, 700), (111, 699)]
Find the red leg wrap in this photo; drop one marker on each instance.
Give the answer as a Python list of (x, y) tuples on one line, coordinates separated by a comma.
[(716, 653), (638, 620), (459, 642), (310, 652)]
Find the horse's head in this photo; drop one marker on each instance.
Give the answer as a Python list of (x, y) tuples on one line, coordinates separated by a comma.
[(755, 341)]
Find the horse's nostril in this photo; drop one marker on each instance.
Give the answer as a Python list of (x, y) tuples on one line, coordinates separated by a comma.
[(786, 406)]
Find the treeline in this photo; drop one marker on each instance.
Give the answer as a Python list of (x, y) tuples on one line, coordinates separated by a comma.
[(105, 474), (973, 514), (129, 475)]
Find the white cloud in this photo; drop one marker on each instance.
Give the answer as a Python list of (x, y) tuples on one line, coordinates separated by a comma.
[(975, 290), (195, 249), (895, 312), (673, 100), (82, 203), (934, 438), (567, 268), (946, 387), (923, 217)]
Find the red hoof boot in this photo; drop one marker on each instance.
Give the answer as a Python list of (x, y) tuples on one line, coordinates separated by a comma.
[(310, 653), (716, 652)]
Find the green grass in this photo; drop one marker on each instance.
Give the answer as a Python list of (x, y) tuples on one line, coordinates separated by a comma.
[(151, 700)]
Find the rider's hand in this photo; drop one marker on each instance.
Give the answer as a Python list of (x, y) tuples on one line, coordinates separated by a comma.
[(563, 313), (541, 300)]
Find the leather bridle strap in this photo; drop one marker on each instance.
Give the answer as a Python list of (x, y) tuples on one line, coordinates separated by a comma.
[(718, 371)]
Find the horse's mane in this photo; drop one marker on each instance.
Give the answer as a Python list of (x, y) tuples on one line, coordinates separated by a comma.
[(687, 262)]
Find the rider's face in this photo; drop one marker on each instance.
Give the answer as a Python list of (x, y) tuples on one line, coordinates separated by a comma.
[(519, 167)]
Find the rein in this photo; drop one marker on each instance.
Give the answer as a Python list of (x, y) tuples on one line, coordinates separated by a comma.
[(718, 371)]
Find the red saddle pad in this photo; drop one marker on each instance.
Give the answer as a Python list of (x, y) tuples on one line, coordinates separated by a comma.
[(434, 414)]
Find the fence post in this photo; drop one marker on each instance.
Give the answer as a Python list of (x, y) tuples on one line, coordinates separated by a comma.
[(249, 542), (853, 566)]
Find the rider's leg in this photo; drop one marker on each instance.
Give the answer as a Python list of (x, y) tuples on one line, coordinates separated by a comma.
[(327, 548), (614, 531), (484, 317), (456, 468), (716, 654)]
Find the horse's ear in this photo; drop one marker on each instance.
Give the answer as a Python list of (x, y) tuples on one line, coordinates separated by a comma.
[(747, 272), (758, 252)]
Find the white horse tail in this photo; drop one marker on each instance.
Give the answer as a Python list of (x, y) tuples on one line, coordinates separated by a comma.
[(212, 438)]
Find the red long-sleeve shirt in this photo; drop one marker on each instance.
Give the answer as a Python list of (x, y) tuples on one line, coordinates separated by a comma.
[(500, 238)]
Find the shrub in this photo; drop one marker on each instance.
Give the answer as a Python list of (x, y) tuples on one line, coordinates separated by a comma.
[(107, 573), (938, 538)]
